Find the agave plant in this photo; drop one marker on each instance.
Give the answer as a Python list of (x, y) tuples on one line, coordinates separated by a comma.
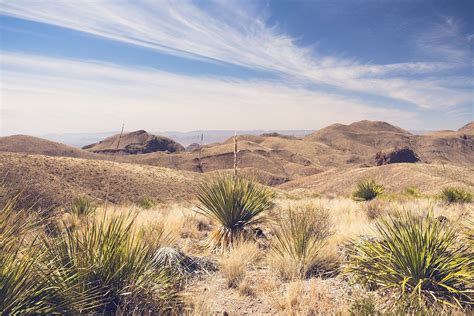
[(419, 258), (82, 206), (234, 202), (367, 190), (299, 238)]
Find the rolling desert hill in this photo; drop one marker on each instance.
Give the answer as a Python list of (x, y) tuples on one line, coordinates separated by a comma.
[(330, 161), (138, 142), (53, 181), (35, 145), (428, 178)]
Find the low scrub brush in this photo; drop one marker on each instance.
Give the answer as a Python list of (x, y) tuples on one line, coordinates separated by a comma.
[(456, 195)]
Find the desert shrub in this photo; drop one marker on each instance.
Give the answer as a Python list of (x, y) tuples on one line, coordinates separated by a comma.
[(145, 203), (82, 206), (28, 282), (106, 258), (299, 238), (456, 195), (236, 261), (418, 258), (367, 190), (412, 191), (234, 202)]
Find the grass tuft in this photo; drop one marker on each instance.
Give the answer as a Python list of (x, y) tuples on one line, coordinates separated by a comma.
[(299, 238), (367, 190), (82, 207), (145, 203), (456, 195)]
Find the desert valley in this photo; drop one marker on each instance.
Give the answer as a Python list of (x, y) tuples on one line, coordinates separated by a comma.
[(162, 185)]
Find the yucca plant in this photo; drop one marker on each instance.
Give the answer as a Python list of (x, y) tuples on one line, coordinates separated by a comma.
[(82, 206), (367, 190), (300, 235), (234, 202), (419, 258), (106, 258), (27, 284), (456, 195)]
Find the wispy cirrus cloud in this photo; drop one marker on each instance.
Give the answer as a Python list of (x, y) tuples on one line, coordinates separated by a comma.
[(230, 32), (42, 93)]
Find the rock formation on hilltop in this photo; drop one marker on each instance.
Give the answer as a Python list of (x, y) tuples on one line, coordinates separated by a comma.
[(138, 142)]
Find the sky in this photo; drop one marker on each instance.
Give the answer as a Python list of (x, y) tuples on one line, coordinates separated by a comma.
[(92, 65)]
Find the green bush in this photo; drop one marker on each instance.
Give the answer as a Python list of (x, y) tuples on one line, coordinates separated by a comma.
[(300, 235), (456, 195), (82, 206), (234, 202), (367, 190), (145, 203), (419, 258), (413, 192)]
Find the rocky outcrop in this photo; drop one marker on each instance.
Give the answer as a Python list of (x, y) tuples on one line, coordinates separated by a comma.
[(402, 155)]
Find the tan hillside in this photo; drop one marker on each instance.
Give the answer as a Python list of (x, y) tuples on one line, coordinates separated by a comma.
[(429, 179), (138, 142), (35, 145), (468, 128), (278, 157), (54, 181)]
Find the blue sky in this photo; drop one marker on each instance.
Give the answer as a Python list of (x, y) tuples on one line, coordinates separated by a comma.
[(88, 66)]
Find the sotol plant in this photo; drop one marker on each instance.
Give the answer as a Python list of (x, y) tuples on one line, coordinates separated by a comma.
[(419, 258), (367, 190), (234, 202)]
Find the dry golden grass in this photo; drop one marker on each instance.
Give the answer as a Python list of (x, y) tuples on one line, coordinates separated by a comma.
[(235, 263), (247, 281)]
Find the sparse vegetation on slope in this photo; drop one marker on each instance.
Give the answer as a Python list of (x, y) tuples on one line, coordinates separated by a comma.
[(235, 203), (456, 195)]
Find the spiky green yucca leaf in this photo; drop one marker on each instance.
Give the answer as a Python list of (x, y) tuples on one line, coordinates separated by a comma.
[(233, 202), (367, 190), (82, 206), (418, 257), (26, 282), (105, 257), (456, 195), (300, 236)]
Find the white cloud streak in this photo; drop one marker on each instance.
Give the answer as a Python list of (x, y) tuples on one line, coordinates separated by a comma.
[(229, 32), (43, 95)]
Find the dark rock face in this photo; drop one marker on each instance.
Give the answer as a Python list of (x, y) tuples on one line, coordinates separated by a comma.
[(403, 155)]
